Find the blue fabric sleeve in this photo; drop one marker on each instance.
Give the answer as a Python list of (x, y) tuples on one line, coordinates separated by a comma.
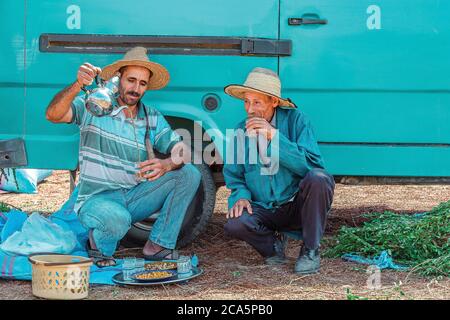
[(235, 180), (300, 154), (78, 111), (165, 137)]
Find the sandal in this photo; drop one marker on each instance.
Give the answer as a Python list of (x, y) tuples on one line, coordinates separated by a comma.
[(162, 254), (98, 257)]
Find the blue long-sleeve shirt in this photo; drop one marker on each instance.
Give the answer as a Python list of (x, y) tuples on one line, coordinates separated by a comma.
[(298, 153)]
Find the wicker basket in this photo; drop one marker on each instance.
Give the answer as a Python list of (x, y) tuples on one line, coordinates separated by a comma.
[(57, 276)]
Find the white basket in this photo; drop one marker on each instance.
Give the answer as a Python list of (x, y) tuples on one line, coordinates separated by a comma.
[(57, 276)]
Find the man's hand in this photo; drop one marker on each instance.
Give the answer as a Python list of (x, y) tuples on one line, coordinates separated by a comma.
[(238, 208), (59, 110), (260, 126), (86, 74), (155, 168)]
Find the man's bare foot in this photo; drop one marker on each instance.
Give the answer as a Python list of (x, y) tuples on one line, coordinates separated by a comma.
[(152, 251)]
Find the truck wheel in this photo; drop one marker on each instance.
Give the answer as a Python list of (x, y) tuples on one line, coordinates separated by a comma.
[(195, 221)]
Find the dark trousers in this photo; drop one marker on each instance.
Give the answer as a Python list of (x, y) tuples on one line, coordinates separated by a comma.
[(307, 212)]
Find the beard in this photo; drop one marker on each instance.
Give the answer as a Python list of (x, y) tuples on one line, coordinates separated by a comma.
[(130, 98)]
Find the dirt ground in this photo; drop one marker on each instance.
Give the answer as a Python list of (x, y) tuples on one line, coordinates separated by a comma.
[(234, 271)]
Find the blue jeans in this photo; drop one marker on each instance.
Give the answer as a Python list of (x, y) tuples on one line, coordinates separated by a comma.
[(110, 214), (308, 212)]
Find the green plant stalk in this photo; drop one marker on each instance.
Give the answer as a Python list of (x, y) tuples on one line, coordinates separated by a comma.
[(4, 207), (15, 178), (4, 174), (411, 240)]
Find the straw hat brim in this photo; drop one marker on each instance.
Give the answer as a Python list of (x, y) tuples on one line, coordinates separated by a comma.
[(159, 79), (238, 91)]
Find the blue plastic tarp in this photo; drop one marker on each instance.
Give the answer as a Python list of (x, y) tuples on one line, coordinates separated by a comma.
[(23, 180), (382, 261), (17, 267)]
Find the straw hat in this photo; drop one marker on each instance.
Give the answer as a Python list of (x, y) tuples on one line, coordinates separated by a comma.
[(260, 80), (137, 56)]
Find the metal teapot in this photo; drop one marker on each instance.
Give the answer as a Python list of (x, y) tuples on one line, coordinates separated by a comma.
[(101, 101)]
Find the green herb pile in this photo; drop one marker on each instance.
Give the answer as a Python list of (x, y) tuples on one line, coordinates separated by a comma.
[(4, 174), (4, 207), (421, 242)]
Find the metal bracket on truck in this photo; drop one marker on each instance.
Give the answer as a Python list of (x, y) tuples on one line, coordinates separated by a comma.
[(12, 153), (92, 43)]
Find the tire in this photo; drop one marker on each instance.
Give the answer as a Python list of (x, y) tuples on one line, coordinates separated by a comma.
[(197, 216)]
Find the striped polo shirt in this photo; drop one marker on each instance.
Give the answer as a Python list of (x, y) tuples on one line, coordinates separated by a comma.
[(111, 146)]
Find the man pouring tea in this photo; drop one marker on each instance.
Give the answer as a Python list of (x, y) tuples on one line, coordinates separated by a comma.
[(118, 183)]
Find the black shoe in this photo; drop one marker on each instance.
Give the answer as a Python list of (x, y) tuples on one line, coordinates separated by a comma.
[(308, 261), (280, 247)]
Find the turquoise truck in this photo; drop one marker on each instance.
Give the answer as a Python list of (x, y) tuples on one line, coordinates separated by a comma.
[(373, 76)]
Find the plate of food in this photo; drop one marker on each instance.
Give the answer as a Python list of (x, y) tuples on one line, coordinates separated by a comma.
[(161, 265), (154, 275), (118, 279)]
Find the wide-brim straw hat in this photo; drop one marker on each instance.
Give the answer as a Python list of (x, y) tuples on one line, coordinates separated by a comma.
[(260, 80), (137, 56)]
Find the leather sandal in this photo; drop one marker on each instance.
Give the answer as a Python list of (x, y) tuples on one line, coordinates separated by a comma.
[(99, 257), (162, 254)]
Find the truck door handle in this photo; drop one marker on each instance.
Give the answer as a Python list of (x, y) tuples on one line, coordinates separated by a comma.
[(303, 21)]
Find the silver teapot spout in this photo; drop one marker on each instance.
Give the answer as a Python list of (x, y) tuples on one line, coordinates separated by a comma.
[(101, 101)]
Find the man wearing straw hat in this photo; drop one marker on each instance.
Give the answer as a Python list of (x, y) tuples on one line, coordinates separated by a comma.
[(296, 196), (118, 184)]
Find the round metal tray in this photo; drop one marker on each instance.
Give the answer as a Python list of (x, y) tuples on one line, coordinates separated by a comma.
[(118, 278)]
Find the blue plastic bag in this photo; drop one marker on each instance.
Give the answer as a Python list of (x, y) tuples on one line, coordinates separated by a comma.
[(14, 221), (24, 180), (383, 261), (68, 220), (39, 234)]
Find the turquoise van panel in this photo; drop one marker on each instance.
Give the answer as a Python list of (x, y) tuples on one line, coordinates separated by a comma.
[(373, 79), (52, 146), (12, 66), (192, 77), (377, 117), (169, 18), (376, 75), (387, 160)]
